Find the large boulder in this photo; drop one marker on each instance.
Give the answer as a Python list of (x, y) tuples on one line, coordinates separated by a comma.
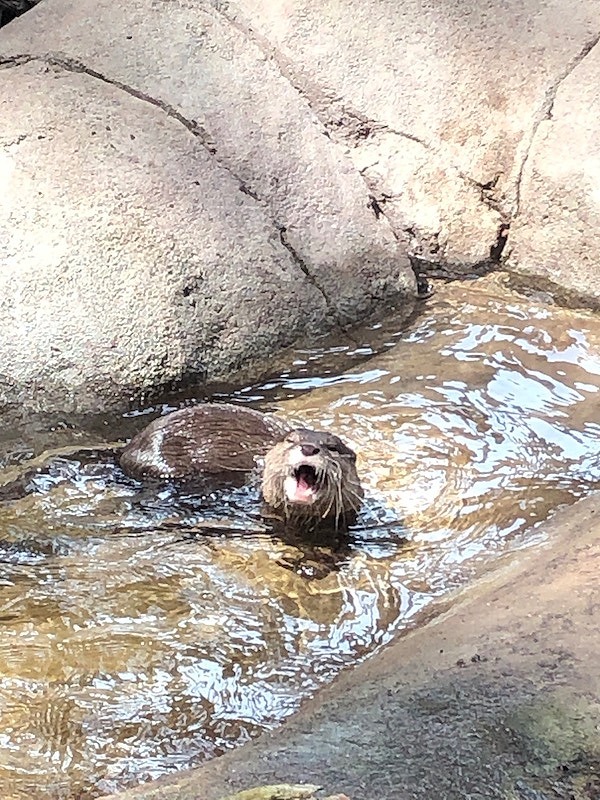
[(554, 232), (170, 207), (439, 104)]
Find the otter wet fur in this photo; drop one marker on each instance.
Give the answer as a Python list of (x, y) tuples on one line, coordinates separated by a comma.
[(206, 439), (309, 477)]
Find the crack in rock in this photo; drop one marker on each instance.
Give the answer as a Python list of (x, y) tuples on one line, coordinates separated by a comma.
[(545, 113), (487, 196), (353, 126), (14, 142), (193, 126), (347, 123), (301, 264), (497, 248)]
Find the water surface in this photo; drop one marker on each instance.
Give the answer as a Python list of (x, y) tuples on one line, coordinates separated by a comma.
[(144, 630)]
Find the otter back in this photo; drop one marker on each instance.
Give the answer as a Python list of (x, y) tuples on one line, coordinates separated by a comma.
[(210, 438)]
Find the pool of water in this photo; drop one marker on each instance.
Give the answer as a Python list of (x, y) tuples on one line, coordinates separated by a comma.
[(144, 630)]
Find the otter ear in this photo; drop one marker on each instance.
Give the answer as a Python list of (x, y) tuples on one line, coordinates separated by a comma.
[(344, 450)]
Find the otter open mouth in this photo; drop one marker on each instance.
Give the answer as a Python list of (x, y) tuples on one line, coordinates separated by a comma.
[(302, 485)]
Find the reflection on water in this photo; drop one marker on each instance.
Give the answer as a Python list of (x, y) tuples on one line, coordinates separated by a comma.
[(136, 639)]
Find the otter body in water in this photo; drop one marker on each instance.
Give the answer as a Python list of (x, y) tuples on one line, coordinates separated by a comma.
[(207, 439), (308, 476)]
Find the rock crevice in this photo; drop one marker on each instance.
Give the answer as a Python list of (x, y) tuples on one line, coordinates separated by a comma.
[(545, 113), (77, 67)]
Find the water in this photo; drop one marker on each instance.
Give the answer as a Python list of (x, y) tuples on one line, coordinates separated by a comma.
[(145, 630)]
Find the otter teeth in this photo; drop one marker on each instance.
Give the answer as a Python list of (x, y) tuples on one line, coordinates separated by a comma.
[(301, 486)]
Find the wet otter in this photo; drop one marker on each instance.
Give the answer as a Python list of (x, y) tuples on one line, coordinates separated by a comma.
[(309, 476)]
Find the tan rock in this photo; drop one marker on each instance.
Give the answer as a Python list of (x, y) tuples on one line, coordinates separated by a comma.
[(438, 103), (337, 142), (554, 233), (169, 212)]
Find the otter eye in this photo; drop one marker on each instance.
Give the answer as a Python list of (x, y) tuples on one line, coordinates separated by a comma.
[(335, 446)]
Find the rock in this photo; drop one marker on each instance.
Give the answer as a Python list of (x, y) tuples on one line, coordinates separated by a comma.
[(438, 103), (169, 213), (325, 146), (9, 9), (282, 791), (554, 233)]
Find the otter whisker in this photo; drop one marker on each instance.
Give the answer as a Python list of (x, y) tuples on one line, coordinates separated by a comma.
[(333, 497), (340, 504), (355, 496)]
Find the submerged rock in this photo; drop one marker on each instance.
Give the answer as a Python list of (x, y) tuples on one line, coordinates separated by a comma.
[(282, 791)]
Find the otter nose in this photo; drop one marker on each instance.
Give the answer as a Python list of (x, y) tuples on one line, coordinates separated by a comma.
[(309, 449)]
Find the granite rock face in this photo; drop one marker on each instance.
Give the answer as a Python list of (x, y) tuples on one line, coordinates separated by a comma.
[(441, 106), (553, 234), (168, 214)]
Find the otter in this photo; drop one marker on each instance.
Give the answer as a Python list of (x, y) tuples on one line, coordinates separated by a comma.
[(206, 439), (309, 477)]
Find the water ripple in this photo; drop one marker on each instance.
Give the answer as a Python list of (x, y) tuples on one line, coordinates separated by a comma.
[(137, 637)]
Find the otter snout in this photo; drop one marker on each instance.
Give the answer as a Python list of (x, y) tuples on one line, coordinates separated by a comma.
[(302, 485), (309, 449)]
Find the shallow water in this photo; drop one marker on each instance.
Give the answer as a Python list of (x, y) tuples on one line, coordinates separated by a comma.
[(135, 638)]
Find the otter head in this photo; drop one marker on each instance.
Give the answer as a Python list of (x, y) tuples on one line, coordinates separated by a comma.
[(311, 477)]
